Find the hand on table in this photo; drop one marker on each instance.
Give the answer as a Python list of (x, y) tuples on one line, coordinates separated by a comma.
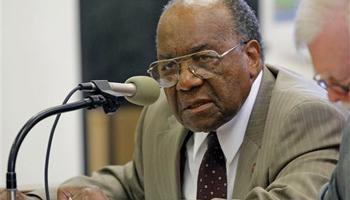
[(4, 195), (80, 193)]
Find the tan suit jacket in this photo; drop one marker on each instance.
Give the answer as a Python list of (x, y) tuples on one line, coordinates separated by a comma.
[(289, 150)]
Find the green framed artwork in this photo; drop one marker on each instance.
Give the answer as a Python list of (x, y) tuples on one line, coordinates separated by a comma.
[(285, 10)]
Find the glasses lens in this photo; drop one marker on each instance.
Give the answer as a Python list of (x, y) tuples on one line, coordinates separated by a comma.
[(164, 72), (204, 63), (205, 57)]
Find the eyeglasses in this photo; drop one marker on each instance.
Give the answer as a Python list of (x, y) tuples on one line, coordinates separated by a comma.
[(328, 82), (202, 64)]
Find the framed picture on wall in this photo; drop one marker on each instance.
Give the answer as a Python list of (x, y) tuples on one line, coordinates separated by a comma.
[(285, 10)]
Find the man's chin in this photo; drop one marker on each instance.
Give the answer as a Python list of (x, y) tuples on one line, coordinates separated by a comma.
[(202, 126)]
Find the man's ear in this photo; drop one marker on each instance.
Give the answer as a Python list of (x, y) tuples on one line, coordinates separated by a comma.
[(253, 51)]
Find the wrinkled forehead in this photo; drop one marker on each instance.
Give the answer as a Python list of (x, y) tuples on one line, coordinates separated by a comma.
[(182, 23)]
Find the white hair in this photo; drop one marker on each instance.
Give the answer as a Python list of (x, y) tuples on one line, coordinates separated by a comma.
[(312, 14)]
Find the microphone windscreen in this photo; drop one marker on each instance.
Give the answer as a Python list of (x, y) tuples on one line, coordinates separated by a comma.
[(147, 90)]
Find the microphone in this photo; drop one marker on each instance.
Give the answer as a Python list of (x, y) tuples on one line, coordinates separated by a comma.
[(139, 90)]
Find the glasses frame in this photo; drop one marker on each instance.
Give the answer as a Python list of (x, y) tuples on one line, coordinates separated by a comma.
[(184, 57), (324, 83)]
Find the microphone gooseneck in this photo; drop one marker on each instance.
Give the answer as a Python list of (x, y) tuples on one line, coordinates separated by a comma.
[(139, 90)]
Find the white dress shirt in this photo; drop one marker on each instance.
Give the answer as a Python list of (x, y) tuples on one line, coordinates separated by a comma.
[(230, 136)]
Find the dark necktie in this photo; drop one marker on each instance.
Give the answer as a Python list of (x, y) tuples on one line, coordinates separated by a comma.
[(212, 181)]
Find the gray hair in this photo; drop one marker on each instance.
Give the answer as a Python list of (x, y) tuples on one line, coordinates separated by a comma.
[(311, 16), (245, 23)]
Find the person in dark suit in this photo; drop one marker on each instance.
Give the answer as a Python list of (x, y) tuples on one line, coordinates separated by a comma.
[(324, 27), (226, 125)]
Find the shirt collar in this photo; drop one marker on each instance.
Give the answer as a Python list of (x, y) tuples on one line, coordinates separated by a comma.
[(231, 134)]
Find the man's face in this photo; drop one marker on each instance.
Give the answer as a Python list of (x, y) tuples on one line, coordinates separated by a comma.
[(204, 104), (330, 53)]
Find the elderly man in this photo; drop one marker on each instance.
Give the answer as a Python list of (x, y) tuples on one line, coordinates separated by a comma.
[(324, 26), (227, 126)]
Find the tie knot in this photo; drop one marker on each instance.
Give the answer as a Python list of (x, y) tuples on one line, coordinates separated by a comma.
[(213, 141)]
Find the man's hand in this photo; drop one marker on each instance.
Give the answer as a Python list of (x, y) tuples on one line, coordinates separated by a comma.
[(83, 193), (4, 195)]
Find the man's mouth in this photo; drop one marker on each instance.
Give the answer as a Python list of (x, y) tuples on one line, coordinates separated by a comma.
[(198, 105)]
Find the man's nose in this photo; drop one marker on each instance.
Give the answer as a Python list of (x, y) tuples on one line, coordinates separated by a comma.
[(187, 78), (333, 95)]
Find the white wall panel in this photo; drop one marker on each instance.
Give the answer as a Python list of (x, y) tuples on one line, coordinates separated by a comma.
[(40, 65)]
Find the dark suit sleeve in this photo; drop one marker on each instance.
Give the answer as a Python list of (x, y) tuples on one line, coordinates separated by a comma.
[(304, 153), (339, 185)]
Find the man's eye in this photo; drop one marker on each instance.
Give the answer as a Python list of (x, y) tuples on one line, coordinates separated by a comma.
[(202, 58), (169, 66)]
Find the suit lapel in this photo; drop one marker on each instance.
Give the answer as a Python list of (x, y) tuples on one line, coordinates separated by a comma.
[(253, 136), (169, 152)]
